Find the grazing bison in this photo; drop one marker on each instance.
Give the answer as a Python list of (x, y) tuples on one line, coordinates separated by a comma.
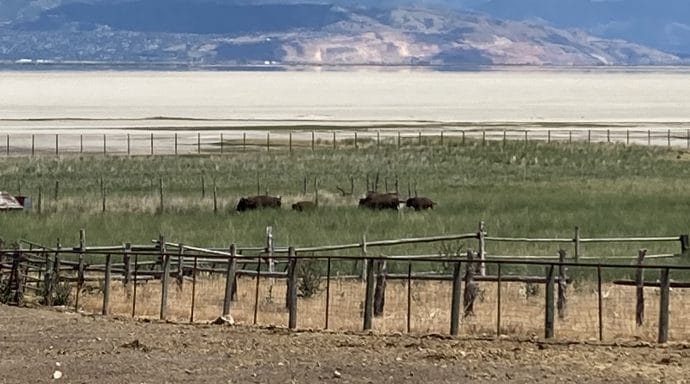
[(302, 206), (254, 202), (419, 203), (376, 200)]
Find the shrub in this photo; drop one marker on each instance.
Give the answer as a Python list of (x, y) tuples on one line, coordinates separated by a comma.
[(309, 278)]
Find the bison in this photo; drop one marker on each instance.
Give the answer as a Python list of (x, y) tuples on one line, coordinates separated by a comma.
[(302, 206), (260, 201), (419, 203), (376, 200)]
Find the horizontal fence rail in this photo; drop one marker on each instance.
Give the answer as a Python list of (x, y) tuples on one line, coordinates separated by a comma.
[(206, 142), (256, 278)]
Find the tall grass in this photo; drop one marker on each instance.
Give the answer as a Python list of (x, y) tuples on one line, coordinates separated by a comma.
[(518, 189)]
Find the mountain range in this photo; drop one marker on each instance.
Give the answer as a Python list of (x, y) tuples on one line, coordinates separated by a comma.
[(435, 32)]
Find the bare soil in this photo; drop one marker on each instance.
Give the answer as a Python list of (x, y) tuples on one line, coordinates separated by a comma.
[(34, 343)]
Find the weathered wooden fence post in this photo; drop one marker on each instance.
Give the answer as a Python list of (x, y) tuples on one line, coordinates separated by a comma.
[(215, 196), (230, 279), (33, 145), (639, 283), (664, 289), (328, 292), (180, 268), (270, 250), (160, 194), (56, 272), (684, 244), (455, 300), (106, 285), (127, 264), (600, 303), (481, 248), (151, 144), (498, 300), (39, 204), (548, 305), (313, 141), (364, 257), (48, 281), (165, 260), (194, 271), (80, 266), (136, 281), (562, 285), (369, 296), (103, 194), (380, 290), (203, 186), (577, 244), (470, 286), (292, 289), (56, 195)]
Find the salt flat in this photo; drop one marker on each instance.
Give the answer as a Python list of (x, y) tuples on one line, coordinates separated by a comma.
[(120, 102)]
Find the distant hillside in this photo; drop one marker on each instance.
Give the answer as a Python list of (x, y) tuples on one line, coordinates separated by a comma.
[(201, 33), (662, 24)]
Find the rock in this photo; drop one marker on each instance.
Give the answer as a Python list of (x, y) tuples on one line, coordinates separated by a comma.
[(57, 375), (224, 320), (337, 374)]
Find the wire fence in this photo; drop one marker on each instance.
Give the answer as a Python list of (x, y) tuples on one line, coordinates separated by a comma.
[(219, 142)]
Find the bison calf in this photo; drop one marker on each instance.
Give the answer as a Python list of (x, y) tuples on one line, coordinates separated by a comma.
[(419, 203), (301, 206)]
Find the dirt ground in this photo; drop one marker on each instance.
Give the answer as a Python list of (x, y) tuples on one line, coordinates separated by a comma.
[(35, 343)]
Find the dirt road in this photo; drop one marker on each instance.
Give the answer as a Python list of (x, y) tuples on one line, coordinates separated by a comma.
[(35, 343)]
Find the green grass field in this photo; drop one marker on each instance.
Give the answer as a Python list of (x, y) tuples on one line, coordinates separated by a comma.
[(518, 189)]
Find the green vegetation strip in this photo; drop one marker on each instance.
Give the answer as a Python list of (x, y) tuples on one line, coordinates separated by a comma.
[(534, 190)]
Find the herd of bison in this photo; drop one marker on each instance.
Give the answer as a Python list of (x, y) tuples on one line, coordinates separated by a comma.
[(372, 200)]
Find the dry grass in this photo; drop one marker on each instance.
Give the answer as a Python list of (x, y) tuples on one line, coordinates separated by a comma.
[(430, 308)]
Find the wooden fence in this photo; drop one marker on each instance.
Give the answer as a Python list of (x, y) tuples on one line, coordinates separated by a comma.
[(43, 269), (233, 141)]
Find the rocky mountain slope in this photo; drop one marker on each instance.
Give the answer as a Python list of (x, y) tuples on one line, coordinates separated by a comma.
[(202, 33)]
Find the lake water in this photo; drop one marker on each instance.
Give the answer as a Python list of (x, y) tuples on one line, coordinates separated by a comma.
[(117, 99)]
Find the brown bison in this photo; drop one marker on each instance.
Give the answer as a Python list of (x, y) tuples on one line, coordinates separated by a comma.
[(419, 203), (376, 200), (302, 206), (260, 201)]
